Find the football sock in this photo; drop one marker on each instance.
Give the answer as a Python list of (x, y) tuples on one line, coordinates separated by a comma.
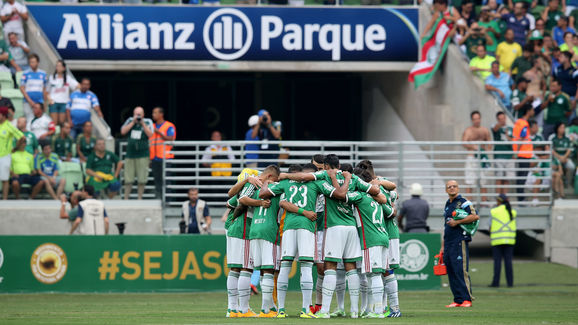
[(232, 293), (340, 289), (306, 284), (391, 290), (377, 293), (283, 283), (353, 283), (328, 288), (363, 292), (319, 289), (267, 292), (244, 291)]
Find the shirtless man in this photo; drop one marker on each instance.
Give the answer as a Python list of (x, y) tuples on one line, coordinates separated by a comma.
[(476, 132)]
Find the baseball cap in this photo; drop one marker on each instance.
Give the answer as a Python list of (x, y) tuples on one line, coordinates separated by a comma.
[(261, 112), (535, 35), (253, 120), (4, 111), (502, 197)]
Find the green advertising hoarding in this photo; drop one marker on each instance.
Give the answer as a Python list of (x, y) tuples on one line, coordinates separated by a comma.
[(156, 263)]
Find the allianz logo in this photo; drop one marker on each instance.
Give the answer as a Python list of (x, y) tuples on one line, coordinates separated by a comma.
[(227, 34)]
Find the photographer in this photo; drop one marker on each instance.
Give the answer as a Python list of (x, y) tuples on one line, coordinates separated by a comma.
[(265, 130), (475, 36), (137, 151), (72, 213)]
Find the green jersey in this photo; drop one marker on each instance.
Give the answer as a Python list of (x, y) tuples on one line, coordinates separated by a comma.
[(264, 225), (8, 133), (62, 146), (537, 137), (31, 142), (103, 164), (553, 17), (85, 146), (231, 204), (493, 24), (303, 195), (240, 227), (389, 223), (340, 213), (561, 145), (138, 142), (557, 109), (371, 229), (503, 134), (73, 213)]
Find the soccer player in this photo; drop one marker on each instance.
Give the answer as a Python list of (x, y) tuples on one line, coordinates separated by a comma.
[(263, 234), (316, 165), (374, 241), (299, 233)]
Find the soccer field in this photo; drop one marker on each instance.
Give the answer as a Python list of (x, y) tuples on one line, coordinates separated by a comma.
[(543, 293)]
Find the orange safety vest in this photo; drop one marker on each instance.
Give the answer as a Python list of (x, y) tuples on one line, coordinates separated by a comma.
[(524, 150), (158, 149)]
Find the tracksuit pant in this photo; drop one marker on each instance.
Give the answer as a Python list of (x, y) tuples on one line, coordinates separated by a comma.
[(457, 260)]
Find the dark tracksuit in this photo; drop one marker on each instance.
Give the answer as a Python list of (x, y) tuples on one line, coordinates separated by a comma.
[(456, 251)]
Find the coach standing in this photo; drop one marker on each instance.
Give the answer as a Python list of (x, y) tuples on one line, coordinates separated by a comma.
[(455, 246)]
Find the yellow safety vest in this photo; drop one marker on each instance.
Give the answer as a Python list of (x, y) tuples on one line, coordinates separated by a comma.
[(502, 230)]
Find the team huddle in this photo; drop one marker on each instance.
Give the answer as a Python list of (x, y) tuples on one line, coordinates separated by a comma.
[(324, 212)]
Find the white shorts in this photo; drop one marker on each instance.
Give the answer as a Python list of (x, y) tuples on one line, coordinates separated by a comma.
[(471, 172), (531, 181), (319, 240), (5, 167), (393, 253), (343, 244), (239, 253), (298, 241), (375, 259), (505, 168), (278, 259), (263, 254)]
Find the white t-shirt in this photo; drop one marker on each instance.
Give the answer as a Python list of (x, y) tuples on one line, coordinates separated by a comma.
[(15, 23), (60, 92), (18, 54), (39, 126)]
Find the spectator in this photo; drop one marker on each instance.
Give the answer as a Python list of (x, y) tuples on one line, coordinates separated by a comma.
[(563, 150), (46, 164), (23, 172), (85, 142), (441, 8), (474, 37), (548, 46), (570, 47), (519, 98), (72, 213), (481, 65), (552, 14), (253, 155), (8, 134), (11, 118), (40, 124), (525, 150), (573, 18), (500, 83), (467, 12), (6, 102), (461, 30), (95, 222), (79, 106), (503, 164), (558, 105), (518, 22), (267, 131), (508, 51), (13, 15), (528, 15), (137, 151), (415, 211), (62, 144), (103, 167), (19, 51), (536, 80), (33, 85), (560, 31), (60, 85), (31, 141), (535, 135), (522, 63), (540, 29), (567, 76), (492, 28), (6, 59), (475, 132), (542, 173), (163, 131), (218, 152), (195, 214)]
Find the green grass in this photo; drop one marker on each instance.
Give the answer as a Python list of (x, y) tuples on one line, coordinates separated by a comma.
[(543, 293)]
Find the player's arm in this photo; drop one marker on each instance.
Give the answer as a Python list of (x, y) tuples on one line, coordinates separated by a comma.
[(388, 185), (380, 198), (340, 193), (269, 190), (239, 186), (247, 201), (299, 177), (290, 207)]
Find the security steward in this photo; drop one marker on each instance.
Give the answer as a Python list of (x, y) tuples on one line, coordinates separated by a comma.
[(455, 246), (503, 239), (164, 131)]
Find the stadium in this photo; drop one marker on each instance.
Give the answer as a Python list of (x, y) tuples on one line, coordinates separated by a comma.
[(365, 161)]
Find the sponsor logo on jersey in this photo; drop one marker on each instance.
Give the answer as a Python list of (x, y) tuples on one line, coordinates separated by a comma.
[(414, 255), (49, 263)]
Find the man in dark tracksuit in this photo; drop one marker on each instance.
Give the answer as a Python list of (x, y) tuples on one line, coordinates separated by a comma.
[(455, 246)]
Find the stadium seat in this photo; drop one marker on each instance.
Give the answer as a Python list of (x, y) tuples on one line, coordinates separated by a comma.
[(17, 99), (72, 172), (18, 77), (6, 80)]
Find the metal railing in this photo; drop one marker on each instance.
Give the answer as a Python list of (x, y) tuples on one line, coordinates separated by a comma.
[(234, 3), (429, 163)]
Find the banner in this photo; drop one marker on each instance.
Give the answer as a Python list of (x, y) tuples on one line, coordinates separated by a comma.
[(230, 33), (434, 47), (156, 263)]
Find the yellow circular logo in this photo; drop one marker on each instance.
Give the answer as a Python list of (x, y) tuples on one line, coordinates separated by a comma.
[(48, 263)]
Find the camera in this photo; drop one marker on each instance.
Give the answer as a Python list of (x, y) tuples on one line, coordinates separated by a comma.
[(138, 119), (265, 119)]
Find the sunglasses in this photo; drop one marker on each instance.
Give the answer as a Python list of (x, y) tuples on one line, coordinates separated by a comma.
[(452, 186)]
